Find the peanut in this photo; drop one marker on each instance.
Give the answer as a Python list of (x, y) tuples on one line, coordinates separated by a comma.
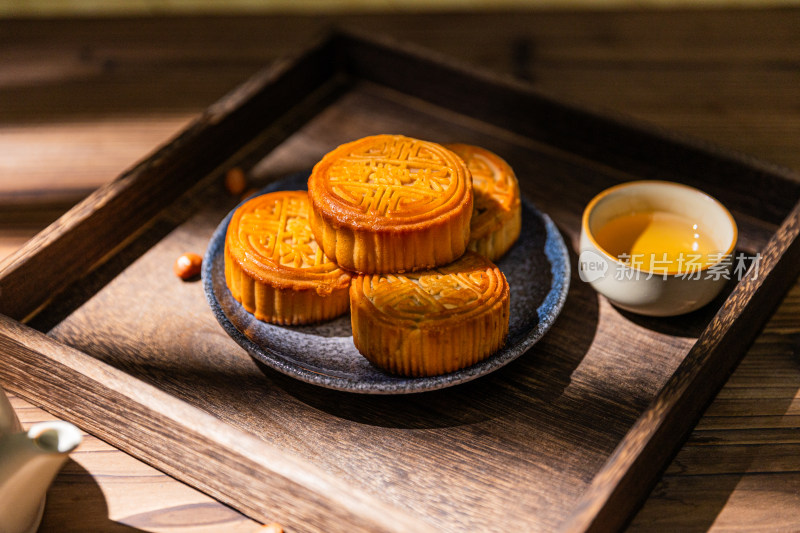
[(235, 181), (187, 266)]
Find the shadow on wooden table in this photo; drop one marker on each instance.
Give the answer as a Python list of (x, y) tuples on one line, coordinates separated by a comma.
[(746, 436), (75, 502)]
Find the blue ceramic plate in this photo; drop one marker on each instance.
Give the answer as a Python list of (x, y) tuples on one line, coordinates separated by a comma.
[(537, 269)]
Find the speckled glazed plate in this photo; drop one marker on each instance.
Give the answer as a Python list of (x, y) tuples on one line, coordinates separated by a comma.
[(537, 269)]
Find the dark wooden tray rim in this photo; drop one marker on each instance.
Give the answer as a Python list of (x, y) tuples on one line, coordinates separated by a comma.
[(34, 280)]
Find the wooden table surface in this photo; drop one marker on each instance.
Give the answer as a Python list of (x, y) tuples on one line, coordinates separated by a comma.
[(82, 99)]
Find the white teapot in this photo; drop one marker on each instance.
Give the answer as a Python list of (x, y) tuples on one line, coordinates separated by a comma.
[(29, 460)]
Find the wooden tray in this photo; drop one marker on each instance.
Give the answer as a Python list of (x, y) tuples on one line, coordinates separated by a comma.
[(571, 436)]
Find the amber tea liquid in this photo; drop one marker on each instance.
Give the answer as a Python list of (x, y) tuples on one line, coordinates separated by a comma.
[(659, 242)]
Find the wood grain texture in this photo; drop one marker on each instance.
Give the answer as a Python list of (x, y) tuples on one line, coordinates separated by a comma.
[(128, 325), (241, 468), (692, 386), (222, 130), (86, 495), (476, 439), (708, 81), (739, 469), (724, 75)]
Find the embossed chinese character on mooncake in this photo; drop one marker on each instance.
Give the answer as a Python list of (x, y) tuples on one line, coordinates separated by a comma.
[(431, 322), (390, 203), (274, 266)]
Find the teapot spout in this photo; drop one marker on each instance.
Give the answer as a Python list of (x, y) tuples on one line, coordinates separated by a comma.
[(56, 437), (28, 463)]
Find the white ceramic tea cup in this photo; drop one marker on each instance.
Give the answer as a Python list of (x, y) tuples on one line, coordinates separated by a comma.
[(649, 292)]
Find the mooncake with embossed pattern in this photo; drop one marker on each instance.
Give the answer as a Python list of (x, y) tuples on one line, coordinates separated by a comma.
[(389, 203), (431, 322), (274, 266), (497, 212)]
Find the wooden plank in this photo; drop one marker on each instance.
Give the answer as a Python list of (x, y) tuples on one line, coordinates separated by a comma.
[(136, 324), (740, 476), (586, 386), (729, 503), (608, 503), (226, 463), (81, 155), (617, 141), (72, 245), (625, 61), (574, 435), (118, 492)]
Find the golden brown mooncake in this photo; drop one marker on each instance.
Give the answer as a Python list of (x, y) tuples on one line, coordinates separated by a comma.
[(390, 203), (275, 268), (431, 322), (497, 213)]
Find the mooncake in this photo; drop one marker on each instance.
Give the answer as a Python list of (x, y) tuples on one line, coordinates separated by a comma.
[(431, 322), (389, 203), (497, 213), (274, 267)]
